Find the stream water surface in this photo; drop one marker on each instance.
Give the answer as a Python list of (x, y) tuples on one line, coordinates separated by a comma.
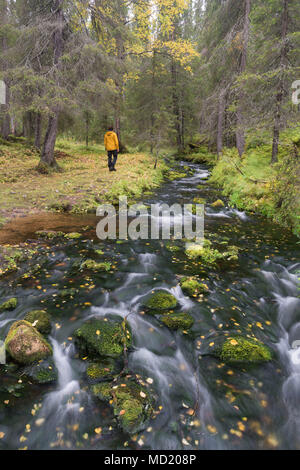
[(254, 407)]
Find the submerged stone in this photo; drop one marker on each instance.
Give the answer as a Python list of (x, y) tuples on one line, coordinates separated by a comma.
[(178, 321), (243, 350), (161, 301), (42, 373), (25, 344), (191, 287), (100, 338), (130, 401), (41, 320), (9, 305)]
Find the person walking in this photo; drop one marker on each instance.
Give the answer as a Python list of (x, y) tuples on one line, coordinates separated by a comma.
[(112, 147)]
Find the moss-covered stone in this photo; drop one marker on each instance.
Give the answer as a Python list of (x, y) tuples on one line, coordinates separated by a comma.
[(92, 265), (49, 234), (73, 236), (199, 200), (160, 301), (191, 287), (218, 204), (210, 256), (173, 248), (41, 320), (25, 344), (9, 305), (100, 338), (130, 401), (178, 321), (243, 350)]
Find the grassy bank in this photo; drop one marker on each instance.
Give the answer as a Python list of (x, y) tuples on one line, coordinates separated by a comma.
[(254, 185), (83, 183)]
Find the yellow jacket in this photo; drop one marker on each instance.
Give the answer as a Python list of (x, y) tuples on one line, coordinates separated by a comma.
[(111, 141)]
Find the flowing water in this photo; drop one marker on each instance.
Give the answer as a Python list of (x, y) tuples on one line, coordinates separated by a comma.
[(254, 407)]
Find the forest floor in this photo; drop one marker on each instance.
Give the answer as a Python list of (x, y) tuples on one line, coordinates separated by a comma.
[(79, 188)]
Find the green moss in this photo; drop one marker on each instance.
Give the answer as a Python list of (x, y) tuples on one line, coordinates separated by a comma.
[(49, 235), (100, 371), (199, 200), (173, 248), (242, 350), (73, 236), (210, 256), (161, 301), (92, 265), (130, 401), (191, 287), (218, 204), (25, 344), (9, 305), (178, 321), (67, 294), (41, 320), (100, 338)]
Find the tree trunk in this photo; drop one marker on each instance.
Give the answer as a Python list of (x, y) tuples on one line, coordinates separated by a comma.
[(220, 129), (87, 130), (281, 85), (38, 131), (176, 107), (5, 128), (240, 128), (48, 157)]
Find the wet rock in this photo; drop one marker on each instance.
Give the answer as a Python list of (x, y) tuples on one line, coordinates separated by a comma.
[(103, 338), (130, 401), (178, 321), (191, 287), (41, 320), (243, 350), (25, 344), (160, 301), (9, 305)]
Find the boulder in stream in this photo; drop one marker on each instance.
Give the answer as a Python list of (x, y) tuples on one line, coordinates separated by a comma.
[(92, 265), (131, 403), (193, 288), (41, 320), (218, 204), (178, 321), (238, 349), (160, 301), (25, 344), (103, 338), (9, 305)]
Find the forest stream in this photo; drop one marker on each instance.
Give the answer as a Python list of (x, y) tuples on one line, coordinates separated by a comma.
[(199, 402)]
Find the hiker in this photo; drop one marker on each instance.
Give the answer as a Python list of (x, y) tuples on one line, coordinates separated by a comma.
[(111, 143)]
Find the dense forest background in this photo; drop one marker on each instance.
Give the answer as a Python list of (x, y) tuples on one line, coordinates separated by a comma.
[(164, 72)]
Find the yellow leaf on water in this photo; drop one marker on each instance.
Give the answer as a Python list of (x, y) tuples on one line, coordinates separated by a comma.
[(2, 435), (98, 430)]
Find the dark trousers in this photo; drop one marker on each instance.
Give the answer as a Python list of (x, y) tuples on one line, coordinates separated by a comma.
[(112, 159)]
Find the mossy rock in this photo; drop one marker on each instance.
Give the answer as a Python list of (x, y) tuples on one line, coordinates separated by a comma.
[(218, 204), (43, 373), (131, 403), (173, 248), (243, 350), (25, 344), (191, 287), (100, 338), (160, 301), (49, 235), (73, 236), (101, 371), (67, 294), (178, 321), (199, 200), (41, 320), (9, 305), (92, 265)]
